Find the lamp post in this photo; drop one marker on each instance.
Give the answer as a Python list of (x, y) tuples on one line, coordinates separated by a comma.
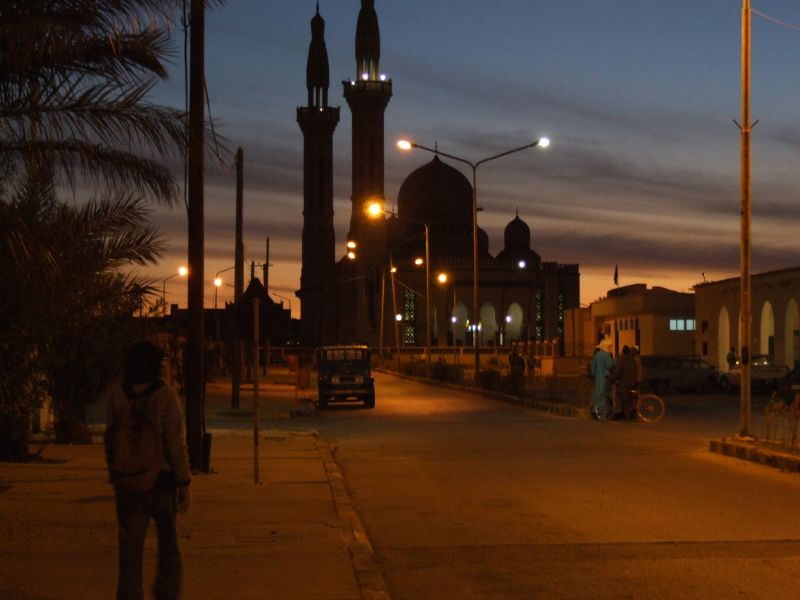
[(218, 282), (182, 272), (745, 324), (375, 210), (392, 271), (407, 145), (289, 300)]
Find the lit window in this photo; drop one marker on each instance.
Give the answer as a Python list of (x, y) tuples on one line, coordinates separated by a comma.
[(691, 325), (680, 324)]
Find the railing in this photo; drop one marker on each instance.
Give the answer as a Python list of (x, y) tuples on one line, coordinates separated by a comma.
[(781, 423)]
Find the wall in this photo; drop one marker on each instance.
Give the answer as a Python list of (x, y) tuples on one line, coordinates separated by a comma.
[(719, 301)]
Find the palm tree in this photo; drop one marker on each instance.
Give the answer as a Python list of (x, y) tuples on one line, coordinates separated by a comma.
[(74, 81), (74, 76)]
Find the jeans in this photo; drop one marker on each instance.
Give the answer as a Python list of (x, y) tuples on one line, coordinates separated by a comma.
[(134, 512)]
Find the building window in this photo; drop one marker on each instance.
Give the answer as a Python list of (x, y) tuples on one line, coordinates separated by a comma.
[(560, 314), (539, 329), (682, 325), (705, 348), (409, 318)]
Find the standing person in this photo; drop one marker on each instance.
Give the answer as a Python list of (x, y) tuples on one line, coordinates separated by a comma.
[(513, 364), (731, 359), (148, 464), (602, 363), (625, 373), (639, 367)]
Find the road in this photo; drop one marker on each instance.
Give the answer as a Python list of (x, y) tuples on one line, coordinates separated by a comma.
[(465, 497)]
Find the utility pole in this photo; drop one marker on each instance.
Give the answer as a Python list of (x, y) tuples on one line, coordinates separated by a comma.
[(266, 320), (194, 367), (745, 324), (238, 281), (256, 452)]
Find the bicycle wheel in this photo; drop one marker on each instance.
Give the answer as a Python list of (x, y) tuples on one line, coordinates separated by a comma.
[(650, 408)]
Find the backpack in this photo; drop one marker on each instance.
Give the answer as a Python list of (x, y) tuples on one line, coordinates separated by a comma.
[(136, 450)]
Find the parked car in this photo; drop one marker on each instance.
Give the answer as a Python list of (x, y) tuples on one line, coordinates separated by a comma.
[(345, 372), (764, 375), (788, 387), (663, 372)]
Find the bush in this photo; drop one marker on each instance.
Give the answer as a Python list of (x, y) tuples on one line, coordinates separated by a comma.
[(513, 384), (443, 371), (489, 380)]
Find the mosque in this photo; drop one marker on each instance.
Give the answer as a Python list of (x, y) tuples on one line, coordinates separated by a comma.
[(375, 292)]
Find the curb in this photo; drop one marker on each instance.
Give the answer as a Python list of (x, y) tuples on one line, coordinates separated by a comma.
[(307, 411), (753, 452), (370, 579), (558, 409)]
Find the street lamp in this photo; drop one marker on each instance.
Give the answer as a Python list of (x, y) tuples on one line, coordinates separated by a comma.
[(374, 210), (218, 282), (408, 145), (182, 272), (289, 300), (745, 293)]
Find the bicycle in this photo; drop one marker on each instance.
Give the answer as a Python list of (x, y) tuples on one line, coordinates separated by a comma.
[(650, 407)]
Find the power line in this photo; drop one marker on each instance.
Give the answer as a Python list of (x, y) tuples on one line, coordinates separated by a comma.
[(776, 21)]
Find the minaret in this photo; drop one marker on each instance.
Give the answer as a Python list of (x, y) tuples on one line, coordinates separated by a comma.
[(367, 98), (317, 120)]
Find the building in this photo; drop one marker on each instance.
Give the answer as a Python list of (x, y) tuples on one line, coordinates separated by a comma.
[(657, 320), (356, 298), (775, 317)]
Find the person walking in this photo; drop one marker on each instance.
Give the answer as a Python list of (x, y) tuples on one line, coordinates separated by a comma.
[(148, 463), (602, 363), (625, 374)]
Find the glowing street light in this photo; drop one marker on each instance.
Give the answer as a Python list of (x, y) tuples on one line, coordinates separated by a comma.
[(407, 145), (218, 282), (182, 272)]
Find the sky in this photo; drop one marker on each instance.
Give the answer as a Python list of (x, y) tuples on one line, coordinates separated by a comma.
[(638, 97)]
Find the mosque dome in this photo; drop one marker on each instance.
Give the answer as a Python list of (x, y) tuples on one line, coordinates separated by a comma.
[(517, 235), (435, 192), (441, 196)]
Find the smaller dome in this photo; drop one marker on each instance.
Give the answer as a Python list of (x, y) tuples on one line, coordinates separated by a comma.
[(517, 235)]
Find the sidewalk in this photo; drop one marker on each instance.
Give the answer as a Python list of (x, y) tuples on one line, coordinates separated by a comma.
[(293, 536), (279, 398)]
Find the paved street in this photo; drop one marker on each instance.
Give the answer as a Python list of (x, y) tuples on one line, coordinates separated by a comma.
[(464, 497), (433, 494)]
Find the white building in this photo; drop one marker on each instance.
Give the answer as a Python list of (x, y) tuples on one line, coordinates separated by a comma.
[(776, 317)]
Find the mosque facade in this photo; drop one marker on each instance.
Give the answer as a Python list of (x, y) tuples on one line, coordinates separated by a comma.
[(374, 292)]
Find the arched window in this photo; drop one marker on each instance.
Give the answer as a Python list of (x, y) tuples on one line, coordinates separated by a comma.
[(791, 336), (767, 337), (488, 324), (723, 337), (459, 325), (513, 323)]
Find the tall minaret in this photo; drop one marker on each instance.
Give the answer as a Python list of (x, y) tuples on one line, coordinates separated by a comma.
[(368, 97), (317, 120)]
